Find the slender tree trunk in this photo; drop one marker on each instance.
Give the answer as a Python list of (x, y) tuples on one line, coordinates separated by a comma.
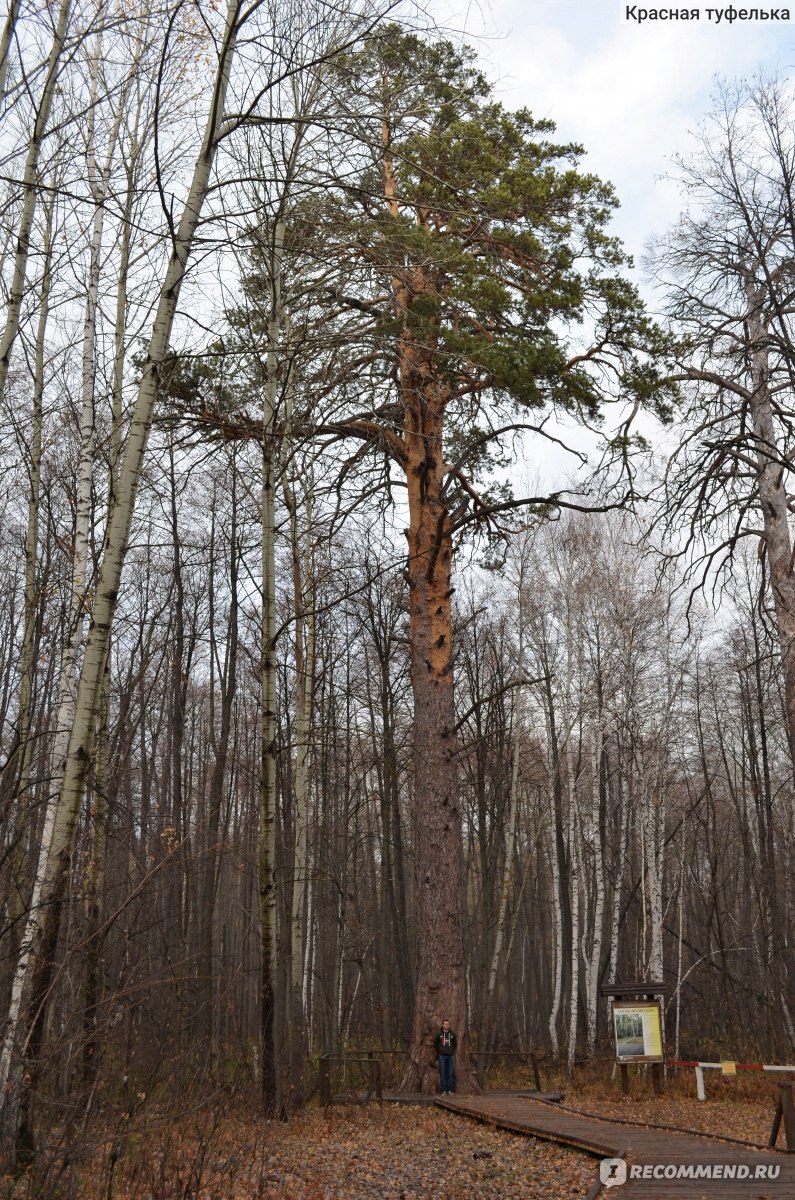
[(304, 678), (5, 45), (27, 670), (271, 1072), (30, 190), (594, 959), (653, 822), (557, 943), (773, 501), (59, 846), (215, 794), (574, 997), (621, 856), (67, 684), (492, 994)]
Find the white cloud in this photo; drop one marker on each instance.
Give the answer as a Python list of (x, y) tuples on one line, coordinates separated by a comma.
[(629, 93)]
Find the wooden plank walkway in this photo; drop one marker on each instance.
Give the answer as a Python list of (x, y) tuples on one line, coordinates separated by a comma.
[(763, 1175)]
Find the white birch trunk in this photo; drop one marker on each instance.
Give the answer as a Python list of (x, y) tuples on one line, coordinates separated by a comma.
[(653, 822), (30, 189), (622, 855), (58, 836), (574, 855), (680, 940), (510, 830), (5, 45), (27, 663), (594, 959), (554, 1012), (67, 683), (574, 858)]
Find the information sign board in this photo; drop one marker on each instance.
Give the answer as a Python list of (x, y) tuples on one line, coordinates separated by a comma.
[(637, 1025)]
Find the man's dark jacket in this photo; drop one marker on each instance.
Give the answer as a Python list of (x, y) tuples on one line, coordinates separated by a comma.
[(445, 1043)]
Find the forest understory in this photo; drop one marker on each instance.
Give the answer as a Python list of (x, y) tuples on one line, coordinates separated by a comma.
[(225, 1151), (372, 1152)]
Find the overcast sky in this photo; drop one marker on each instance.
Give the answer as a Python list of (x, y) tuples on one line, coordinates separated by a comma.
[(628, 92)]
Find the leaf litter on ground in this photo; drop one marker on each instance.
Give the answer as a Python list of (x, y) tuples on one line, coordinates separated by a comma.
[(734, 1108), (387, 1152)]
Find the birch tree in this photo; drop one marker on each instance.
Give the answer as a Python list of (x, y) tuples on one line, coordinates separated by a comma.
[(30, 180), (219, 124)]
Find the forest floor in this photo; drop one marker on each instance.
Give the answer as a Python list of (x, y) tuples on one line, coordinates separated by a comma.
[(739, 1107), (387, 1152), (370, 1152)]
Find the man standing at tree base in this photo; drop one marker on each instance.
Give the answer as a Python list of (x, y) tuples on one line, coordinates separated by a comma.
[(445, 1043)]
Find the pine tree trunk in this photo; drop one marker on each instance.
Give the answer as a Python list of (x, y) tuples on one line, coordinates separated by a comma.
[(439, 900), (437, 833)]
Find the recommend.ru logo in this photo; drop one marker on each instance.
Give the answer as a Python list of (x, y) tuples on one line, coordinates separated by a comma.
[(614, 1171)]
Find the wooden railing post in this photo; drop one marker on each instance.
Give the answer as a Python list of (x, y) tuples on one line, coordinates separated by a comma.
[(480, 1069), (375, 1075), (786, 1109), (324, 1080)]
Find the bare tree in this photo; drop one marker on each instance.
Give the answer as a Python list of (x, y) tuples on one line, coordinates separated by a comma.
[(727, 267)]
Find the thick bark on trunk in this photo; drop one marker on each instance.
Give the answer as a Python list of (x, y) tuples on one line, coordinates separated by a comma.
[(439, 900), (438, 847)]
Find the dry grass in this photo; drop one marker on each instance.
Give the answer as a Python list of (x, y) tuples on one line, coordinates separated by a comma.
[(361, 1153), (385, 1152), (740, 1106)]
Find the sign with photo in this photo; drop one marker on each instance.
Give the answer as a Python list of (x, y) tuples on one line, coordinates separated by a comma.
[(637, 1025)]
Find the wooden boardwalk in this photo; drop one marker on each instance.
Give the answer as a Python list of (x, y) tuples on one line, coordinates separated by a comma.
[(753, 1174)]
